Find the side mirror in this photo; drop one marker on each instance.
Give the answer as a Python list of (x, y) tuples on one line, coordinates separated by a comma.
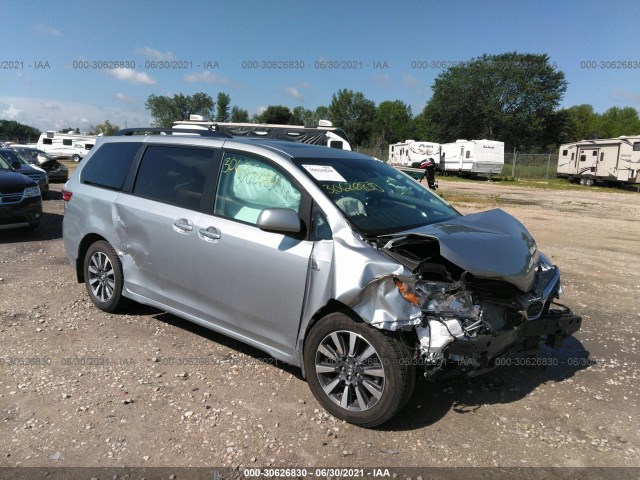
[(16, 165), (279, 220)]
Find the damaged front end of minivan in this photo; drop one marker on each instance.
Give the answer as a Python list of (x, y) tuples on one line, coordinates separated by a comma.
[(482, 289)]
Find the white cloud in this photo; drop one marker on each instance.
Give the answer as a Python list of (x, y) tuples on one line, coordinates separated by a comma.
[(9, 112), (294, 93), (381, 79), (45, 30), (154, 54), (125, 98), (619, 93), (131, 76), (206, 77), (53, 114), (410, 81)]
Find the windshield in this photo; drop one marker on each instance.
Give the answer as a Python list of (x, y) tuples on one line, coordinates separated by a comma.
[(11, 156), (4, 165), (375, 197)]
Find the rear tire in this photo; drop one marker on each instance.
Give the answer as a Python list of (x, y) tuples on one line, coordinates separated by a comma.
[(358, 373), (103, 277), (75, 158)]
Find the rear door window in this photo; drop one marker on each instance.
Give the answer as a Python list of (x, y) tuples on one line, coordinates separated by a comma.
[(174, 175), (109, 165)]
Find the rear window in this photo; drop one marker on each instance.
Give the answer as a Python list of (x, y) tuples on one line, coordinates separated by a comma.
[(109, 165)]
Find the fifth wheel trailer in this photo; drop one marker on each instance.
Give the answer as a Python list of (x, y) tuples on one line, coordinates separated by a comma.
[(609, 160), (472, 157), (410, 152)]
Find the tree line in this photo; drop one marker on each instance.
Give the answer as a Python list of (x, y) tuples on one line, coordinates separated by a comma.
[(512, 97)]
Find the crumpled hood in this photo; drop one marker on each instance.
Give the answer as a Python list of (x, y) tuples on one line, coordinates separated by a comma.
[(490, 244)]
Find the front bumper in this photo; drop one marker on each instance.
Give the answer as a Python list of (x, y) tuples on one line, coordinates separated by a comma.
[(28, 212), (551, 328)]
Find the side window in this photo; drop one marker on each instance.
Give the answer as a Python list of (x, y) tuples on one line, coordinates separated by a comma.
[(248, 185), (595, 153), (66, 142), (47, 141), (468, 153), (173, 175), (109, 165), (320, 229), (565, 152), (636, 146), (583, 158)]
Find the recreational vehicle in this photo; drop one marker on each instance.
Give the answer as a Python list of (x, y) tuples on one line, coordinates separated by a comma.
[(410, 153), (69, 145), (472, 157), (322, 134), (609, 160)]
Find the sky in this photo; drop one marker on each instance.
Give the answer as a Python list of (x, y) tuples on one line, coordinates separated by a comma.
[(58, 59)]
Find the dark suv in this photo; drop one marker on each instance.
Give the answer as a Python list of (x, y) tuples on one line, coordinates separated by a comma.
[(36, 174), (20, 200)]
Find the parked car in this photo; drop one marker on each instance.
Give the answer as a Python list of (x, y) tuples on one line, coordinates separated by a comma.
[(20, 200), (36, 174), (324, 258), (56, 171)]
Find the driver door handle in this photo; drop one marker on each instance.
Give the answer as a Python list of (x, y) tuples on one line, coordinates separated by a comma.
[(209, 233)]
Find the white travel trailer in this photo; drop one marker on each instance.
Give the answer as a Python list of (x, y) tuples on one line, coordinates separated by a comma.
[(410, 153), (472, 157), (322, 134), (610, 160), (66, 145)]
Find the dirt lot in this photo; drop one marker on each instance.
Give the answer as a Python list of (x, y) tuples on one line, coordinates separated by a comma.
[(79, 387)]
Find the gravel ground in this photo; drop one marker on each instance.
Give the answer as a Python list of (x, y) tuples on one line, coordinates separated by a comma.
[(79, 387)]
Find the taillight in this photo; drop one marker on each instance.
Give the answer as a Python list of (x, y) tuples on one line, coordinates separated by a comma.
[(66, 195)]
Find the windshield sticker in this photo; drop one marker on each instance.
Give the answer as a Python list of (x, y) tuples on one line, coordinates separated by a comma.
[(324, 173), (346, 187)]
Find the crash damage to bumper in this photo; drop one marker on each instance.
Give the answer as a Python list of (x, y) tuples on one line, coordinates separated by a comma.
[(468, 292)]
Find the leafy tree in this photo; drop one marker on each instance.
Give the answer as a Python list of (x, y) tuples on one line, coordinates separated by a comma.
[(510, 97), (69, 130), (302, 116), (222, 108), (393, 122), (582, 122), (18, 132), (354, 114), (105, 128), (239, 115), (166, 110), (277, 114), (618, 121), (322, 113)]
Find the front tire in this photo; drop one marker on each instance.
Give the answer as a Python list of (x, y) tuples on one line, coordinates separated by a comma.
[(359, 374), (103, 277)]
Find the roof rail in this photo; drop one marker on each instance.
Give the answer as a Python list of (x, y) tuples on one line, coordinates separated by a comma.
[(172, 131)]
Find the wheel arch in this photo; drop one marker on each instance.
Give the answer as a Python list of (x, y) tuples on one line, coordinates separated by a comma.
[(332, 306), (85, 243)]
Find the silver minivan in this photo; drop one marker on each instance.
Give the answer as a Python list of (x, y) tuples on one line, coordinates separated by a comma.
[(325, 259)]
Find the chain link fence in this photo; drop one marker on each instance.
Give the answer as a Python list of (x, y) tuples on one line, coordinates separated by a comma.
[(530, 165)]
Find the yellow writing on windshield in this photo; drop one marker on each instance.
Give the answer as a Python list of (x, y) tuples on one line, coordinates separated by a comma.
[(345, 187)]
